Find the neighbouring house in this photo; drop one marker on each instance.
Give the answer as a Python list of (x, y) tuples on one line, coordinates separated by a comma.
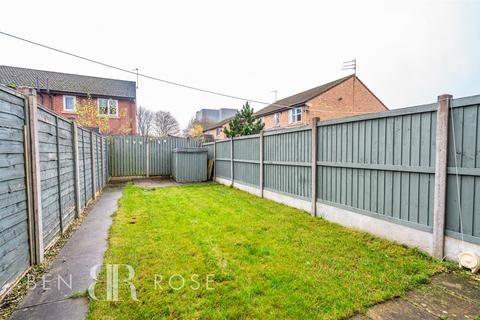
[(64, 92), (344, 97)]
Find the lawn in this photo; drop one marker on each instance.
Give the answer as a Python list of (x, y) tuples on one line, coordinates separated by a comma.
[(262, 259)]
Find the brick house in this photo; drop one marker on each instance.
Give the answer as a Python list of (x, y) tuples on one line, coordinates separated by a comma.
[(62, 92), (344, 97)]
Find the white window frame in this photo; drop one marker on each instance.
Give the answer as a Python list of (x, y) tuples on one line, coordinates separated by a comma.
[(295, 115), (218, 131), (276, 119), (108, 114), (65, 103)]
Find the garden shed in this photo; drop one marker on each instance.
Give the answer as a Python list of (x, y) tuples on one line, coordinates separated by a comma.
[(189, 164)]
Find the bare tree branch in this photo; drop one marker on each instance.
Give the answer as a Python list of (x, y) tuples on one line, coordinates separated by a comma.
[(144, 121), (165, 124)]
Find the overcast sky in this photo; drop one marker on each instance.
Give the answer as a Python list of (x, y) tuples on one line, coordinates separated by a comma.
[(407, 52)]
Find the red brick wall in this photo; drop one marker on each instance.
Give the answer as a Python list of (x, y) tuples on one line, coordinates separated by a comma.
[(339, 102), (124, 123)]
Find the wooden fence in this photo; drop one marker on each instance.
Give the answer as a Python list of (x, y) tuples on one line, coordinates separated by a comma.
[(382, 166), (143, 156), (49, 171)]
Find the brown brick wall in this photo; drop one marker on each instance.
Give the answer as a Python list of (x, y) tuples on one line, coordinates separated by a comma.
[(338, 102), (125, 122)]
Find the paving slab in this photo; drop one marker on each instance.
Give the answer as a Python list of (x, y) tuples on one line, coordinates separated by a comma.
[(448, 296), (156, 183), (72, 309), (460, 285), (398, 309), (443, 303), (70, 271)]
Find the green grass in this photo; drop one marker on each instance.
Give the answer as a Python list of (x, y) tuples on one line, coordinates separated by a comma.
[(268, 260)]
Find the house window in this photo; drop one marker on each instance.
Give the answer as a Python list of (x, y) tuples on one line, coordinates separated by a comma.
[(295, 115), (108, 107), (217, 132), (69, 103), (276, 119)]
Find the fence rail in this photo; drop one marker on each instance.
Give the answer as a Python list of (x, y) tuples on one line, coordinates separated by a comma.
[(380, 165), (49, 171)]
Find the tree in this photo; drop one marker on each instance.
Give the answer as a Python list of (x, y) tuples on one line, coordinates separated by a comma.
[(144, 121), (88, 115), (243, 123), (194, 129), (164, 124)]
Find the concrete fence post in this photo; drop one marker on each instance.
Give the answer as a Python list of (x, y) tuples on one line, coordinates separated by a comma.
[(231, 161), (102, 166), (314, 166), (260, 184), (93, 165), (35, 175), (439, 200), (147, 157), (76, 167), (214, 160)]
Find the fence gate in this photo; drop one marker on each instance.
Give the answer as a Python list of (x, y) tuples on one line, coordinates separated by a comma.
[(14, 230), (141, 156)]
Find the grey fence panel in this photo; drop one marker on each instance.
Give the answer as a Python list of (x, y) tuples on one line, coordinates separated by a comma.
[(189, 164), (381, 166), (223, 149), (56, 160), (222, 161), (47, 137), (464, 159), (14, 243), (210, 149), (222, 168), (128, 154), (246, 154), (287, 157), (67, 171), (160, 156), (87, 141)]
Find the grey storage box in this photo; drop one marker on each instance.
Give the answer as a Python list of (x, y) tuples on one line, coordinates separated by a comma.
[(189, 164)]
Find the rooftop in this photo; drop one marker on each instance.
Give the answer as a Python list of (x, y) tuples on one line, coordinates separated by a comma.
[(300, 98), (67, 82)]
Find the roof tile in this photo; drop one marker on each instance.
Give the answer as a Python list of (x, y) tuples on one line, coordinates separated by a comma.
[(67, 82)]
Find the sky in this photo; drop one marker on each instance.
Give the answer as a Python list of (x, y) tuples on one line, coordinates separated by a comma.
[(408, 52)]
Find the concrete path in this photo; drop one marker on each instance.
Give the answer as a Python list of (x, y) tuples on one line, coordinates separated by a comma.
[(448, 296), (85, 249)]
